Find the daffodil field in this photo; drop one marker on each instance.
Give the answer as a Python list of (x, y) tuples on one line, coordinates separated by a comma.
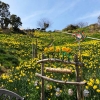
[(20, 68)]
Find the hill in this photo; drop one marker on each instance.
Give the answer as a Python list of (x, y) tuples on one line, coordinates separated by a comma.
[(92, 28), (16, 48), (19, 55)]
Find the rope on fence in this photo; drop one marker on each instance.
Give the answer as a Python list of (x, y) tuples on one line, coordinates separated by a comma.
[(86, 36)]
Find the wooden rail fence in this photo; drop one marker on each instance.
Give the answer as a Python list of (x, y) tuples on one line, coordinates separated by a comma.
[(78, 82)]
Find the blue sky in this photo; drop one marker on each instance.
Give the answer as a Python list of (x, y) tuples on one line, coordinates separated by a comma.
[(59, 12)]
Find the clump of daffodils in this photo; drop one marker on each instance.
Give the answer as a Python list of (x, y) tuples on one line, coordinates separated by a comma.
[(57, 49), (94, 83)]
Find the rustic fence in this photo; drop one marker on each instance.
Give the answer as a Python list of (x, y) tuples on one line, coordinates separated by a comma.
[(79, 83)]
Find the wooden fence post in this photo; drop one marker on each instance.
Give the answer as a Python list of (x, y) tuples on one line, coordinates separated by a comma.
[(77, 78), (36, 49), (32, 50), (78, 82), (42, 80)]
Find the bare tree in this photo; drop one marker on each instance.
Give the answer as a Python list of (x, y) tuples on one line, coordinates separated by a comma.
[(44, 23), (99, 20), (82, 24)]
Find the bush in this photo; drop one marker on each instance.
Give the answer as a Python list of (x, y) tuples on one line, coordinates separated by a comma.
[(70, 27), (69, 31), (8, 60), (2, 51)]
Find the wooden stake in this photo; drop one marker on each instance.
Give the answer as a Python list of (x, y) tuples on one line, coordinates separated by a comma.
[(42, 80), (77, 78)]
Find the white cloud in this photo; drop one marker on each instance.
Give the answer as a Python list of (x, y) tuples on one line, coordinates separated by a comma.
[(89, 15), (33, 16), (60, 8), (56, 10), (70, 6)]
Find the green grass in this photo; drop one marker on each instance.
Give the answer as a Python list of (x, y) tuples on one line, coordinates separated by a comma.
[(16, 55)]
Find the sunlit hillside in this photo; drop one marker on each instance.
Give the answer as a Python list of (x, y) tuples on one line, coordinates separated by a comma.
[(18, 63)]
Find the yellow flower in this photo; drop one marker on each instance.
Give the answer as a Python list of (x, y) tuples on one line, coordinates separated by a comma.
[(97, 81), (91, 80), (84, 80), (63, 48), (10, 81), (51, 94), (66, 49), (90, 83), (57, 49), (46, 50), (15, 88), (4, 76), (98, 90), (49, 87), (17, 68), (51, 49), (27, 95), (60, 91), (37, 87), (95, 87), (86, 87)]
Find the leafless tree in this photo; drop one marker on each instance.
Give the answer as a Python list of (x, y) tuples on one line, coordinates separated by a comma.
[(44, 23), (82, 24), (99, 20)]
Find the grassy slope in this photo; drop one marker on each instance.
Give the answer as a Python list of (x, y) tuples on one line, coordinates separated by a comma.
[(16, 48), (22, 77)]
